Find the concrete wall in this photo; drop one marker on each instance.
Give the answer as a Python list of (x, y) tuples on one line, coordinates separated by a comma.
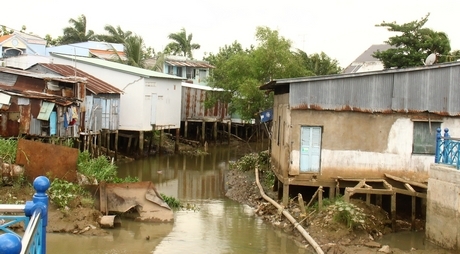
[(354, 144), (443, 206)]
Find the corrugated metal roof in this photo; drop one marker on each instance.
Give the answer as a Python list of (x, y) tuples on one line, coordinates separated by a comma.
[(94, 84), (431, 89), (43, 76), (63, 101), (118, 67), (190, 63)]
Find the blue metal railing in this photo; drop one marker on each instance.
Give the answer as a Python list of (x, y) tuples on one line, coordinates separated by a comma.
[(447, 149), (35, 221)]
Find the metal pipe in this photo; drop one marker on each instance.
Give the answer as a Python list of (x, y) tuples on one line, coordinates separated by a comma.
[(9, 208), (288, 216)]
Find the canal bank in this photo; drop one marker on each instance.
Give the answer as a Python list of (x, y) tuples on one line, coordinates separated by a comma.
[(332, 236)]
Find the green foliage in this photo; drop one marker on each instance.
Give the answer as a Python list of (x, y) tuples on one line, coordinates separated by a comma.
[(172, 202), (100, 169), (181, 44), (249, 161), (412, 44), (319, 64), (347, 213), (77, 32), (241, 72), (62, 192), (8, 148)]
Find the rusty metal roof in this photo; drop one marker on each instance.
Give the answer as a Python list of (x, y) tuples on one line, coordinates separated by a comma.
[(190, 63), (60, 100), (43, 76), (94, 84), (431, 89)]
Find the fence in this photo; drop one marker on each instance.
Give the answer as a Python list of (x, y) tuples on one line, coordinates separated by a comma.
[(447, 149), (35, 222)]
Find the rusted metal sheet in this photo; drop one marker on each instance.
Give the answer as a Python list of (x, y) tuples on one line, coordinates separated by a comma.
[(41, 159), (141, 196), (193, 106), (422, 89)]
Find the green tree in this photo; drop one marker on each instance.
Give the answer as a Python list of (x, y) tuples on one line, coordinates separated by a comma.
[(135, 51), (319, 64), (50, 41), (413, 44), (114, 34), (182, 44), (240, 72), (77, 31)]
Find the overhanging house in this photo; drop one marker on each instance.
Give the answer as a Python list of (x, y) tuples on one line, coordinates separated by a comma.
[(40, 105), (361, 125), (100, 111), (151, 100)]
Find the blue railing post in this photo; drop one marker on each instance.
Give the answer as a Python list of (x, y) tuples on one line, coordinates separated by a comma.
[(447, 149), (438, 146), (10, 244), (40, 202)]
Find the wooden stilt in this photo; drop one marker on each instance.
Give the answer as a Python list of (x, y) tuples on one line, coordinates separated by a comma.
[(413, 213), (285, 193), (393, 211), (203, 132), (176, 143), (378, 200), (115, 145), (141, 143), (215, 132)]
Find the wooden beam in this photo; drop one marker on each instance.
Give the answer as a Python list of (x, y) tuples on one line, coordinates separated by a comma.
[(399, 179), (387, 185), (360, 184), (409, 193), (371, 191), (409, 187)]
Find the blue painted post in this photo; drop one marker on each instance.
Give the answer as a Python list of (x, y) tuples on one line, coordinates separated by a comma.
[(438, 146), (10, 244), (446, 151), (40, 202)]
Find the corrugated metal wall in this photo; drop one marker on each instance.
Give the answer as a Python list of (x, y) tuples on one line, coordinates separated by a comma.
[(434, 90), (193, 106)]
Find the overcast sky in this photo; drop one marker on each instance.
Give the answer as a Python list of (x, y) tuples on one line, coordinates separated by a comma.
[(343, 29)]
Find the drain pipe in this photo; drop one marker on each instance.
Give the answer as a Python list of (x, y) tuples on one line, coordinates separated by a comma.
[(288, 216)]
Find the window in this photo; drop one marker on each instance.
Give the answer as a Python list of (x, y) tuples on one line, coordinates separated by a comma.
[(424, 139), (179, 72)]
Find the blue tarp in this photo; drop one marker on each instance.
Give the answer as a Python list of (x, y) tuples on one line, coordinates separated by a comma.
[(266, 115)]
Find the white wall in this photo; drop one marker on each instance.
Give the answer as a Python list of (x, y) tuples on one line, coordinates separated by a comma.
[(398, 154), (135, 109)]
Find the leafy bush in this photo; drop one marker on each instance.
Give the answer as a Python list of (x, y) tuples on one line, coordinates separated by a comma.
[(62, 192), (347, 213), (172, 202), (100, 169), (8, 148), (249, 161)]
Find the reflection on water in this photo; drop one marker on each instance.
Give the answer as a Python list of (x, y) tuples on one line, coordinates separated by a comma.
[(219, 225), (408, 240)]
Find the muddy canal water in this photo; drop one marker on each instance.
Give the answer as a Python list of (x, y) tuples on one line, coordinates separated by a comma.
[(218, 225)]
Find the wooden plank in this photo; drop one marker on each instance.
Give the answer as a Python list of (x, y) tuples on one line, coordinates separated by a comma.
[(387, 185), (399, 179), (393, 212), (359, 179), (372, 191), (360, 184), (409, 193), (409, 187)]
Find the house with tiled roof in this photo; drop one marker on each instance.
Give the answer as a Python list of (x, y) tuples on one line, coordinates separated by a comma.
[(366, 62)]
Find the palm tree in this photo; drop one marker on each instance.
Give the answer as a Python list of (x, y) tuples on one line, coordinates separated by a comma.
[(77, 31), (182, 44), (115, 34), (134, 51)]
